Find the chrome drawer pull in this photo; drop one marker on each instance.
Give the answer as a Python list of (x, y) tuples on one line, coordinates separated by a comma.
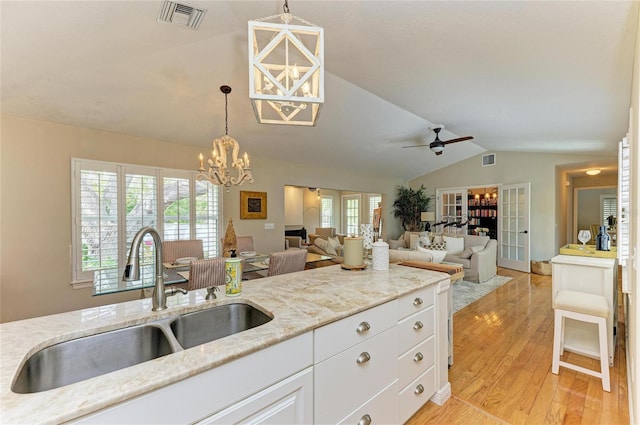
[(418, 301), (363, 327), (363, 358), (419, 389), (418, 326), (365, 420), (418, 357)]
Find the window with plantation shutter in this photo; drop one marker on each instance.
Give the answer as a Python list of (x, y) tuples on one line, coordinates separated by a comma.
[(623, 213), (374, 200), (177, 207), (351, 214), (326, 211), (112, 202), (97, 242)]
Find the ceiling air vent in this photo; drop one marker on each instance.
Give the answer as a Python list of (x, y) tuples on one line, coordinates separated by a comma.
[(181, 14), (489, 160)]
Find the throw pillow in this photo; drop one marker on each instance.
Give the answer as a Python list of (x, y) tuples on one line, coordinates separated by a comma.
[(467, 253), (334, 242), (424, 241), (395, 244), (439, 246), (413, 241), (324, 245), (437, 239), (436, 255), (454, 245)]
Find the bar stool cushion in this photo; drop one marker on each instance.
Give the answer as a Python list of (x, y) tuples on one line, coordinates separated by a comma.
[(582, 302)]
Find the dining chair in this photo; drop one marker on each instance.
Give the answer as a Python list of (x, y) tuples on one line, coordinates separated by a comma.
[(207, 273), (244, 243), (289, 261), (172, 250)]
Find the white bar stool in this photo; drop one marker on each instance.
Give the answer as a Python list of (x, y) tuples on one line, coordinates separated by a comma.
[(585, 307)]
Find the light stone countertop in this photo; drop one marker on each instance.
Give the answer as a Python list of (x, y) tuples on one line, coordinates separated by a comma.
[(299, 302)]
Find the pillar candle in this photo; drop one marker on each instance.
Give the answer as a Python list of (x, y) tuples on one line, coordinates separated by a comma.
[(353, 251)]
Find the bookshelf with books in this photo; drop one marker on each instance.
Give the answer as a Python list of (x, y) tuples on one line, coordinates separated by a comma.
[(482, 211)]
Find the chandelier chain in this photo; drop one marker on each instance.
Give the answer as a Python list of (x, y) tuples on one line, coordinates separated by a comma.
[(285, 8), (226, 115)]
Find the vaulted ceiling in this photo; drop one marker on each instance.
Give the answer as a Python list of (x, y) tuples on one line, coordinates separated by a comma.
[(528, 76)]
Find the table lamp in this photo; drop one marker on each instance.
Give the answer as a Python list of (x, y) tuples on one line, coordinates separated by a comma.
[(427, 216)]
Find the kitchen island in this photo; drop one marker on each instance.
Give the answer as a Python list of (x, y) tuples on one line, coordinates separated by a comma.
[(300, 304)]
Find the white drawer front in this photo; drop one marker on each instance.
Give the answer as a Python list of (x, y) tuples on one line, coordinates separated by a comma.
[(416, 394), (416, 328), (416, 360), (416, 301), (381, 409), (341, 383), (338, 336)]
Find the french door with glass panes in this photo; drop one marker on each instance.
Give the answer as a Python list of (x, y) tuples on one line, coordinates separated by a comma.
[(513, 227), (452, 207)]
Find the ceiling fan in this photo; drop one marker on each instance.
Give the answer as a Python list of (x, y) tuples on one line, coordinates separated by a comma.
[(437, 146)]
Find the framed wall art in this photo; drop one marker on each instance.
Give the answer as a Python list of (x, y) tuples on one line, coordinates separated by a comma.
[(253, 205)]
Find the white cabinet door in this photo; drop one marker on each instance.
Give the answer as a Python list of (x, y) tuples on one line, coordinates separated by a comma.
[(381, 409), (348, 379), (287, 402)]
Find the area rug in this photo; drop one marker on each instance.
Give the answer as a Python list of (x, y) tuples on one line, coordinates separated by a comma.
[(464, 293)]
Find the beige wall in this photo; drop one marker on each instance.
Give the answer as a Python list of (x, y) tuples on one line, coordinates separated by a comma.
[(537, 168), (35, 232)]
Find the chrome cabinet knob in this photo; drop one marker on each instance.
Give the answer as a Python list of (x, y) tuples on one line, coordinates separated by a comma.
[(363, 358), (365, 420), (418, 357), (418, 301), (418, 325), (419, 389), (363, 327)]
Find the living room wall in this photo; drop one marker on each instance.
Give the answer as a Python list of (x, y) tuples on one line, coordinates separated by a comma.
[(537, 168), (35, 231)]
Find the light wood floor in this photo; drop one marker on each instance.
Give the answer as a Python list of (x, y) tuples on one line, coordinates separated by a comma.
[(502, 366)]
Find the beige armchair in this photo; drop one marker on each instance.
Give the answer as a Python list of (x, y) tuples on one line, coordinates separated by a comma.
[(292, 242)]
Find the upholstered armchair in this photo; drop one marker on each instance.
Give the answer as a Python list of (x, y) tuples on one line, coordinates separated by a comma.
[(292, 242)]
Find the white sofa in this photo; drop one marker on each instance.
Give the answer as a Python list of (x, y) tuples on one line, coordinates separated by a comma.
[(476, 254)]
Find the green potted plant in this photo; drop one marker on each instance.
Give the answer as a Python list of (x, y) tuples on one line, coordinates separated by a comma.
[(408, 205)]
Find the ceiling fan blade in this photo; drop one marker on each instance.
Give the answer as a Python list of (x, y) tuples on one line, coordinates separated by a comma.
[(416, 146), (459, 139)]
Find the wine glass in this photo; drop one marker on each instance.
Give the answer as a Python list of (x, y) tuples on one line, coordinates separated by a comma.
[(584, 236)]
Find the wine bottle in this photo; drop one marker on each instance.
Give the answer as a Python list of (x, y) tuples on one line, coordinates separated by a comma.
[(603, 241)]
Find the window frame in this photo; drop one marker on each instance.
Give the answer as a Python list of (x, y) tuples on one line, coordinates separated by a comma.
[(85, 278), (345, 213), (331, 212)]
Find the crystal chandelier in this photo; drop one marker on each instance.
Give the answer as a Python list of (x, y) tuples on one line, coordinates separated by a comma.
[(286, 69), (218, 172)]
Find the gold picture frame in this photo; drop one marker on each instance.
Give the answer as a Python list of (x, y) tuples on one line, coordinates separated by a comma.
[(253, 205)]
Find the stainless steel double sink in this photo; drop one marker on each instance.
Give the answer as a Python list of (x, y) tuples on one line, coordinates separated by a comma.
[(90, 356)]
